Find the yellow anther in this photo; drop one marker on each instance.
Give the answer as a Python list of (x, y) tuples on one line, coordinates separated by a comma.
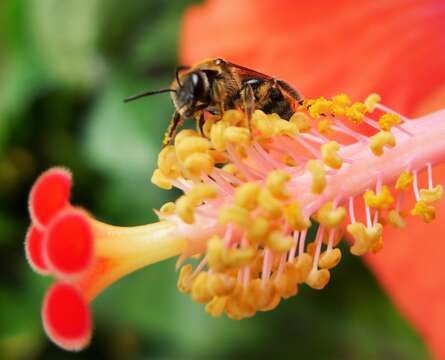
[(318, 279), (427, 212), (303, 266), (263, 123), (276, 183), (221, 284), (329, 259), (160, 180), (387, 121), (295, 217), (217, 137), (321, 106), (197, 164), (377, 246), (396, 219), (186, 204), (380, 201), (380, 140), (246, 195), (278, 242), (262, 296), (329, 155), (341, 99), (404, 181), (202, 192), (316, 168), (284, 127), (235, 214), (185, 209), (184, 134), (222, 259), (372, 101), (190, 145), (230, 168), (301, 121), (233, 118), (286, 282), (433, 195), (364, 238), (329, 216), (324, 126), (216, 306), (237, 135), (167, 209), (356, 112), (258, 230), (200, 289), (374, 233), (185, 279), (270, 204), (168, 162), (208, 124)]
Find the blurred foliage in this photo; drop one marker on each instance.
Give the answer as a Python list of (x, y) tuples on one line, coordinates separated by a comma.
[(65, 66)]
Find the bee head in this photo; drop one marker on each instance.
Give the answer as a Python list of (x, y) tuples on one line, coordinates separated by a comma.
[(192, 93)]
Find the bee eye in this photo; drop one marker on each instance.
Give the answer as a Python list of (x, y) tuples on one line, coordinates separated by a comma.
[(218, 62), (195, 79), (198, 85)]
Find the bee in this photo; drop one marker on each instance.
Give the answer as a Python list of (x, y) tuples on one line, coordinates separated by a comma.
[(216, 85)]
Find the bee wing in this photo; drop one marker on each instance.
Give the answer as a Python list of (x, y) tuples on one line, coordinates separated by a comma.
[(246, 73)]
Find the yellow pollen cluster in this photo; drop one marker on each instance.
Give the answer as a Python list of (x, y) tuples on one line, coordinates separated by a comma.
[(380, 140), (331, 217), (300, 120), (316, 168), (186, 204), (382, 200), (365, 239), (269, 125), (423, 207), (387, 121), (432, 195), (329, 154), (324, 126), (396, 219), (356, 112), (404, 181), (425, 211), (372, 101)]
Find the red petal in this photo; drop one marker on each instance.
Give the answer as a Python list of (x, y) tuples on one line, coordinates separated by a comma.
[(34, 250), (66, 317), (69, 243), (49, 195)]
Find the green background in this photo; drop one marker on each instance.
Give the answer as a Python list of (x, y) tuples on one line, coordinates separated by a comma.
[(65, 66)]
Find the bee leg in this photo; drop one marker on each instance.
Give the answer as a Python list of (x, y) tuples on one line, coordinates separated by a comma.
[(248, 98), (219, 95), (200, 123), (172, 127)]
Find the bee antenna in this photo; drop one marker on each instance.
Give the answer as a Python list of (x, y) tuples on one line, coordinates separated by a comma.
[(147, 93), (178, 70)]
